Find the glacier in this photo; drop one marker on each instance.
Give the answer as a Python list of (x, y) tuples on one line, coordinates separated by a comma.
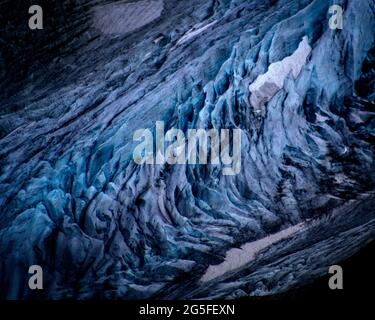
[(73, 200)]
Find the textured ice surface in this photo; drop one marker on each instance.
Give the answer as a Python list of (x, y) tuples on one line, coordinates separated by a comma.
[(73, 201)]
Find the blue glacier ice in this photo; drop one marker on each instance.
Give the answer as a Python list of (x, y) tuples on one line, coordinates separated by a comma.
[(73, 201)]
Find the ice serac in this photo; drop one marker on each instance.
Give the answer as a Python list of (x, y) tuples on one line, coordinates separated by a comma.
[(268, 84), (73, 200)]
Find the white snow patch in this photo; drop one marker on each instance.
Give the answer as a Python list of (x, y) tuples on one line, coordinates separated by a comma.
[(321, 118), (236, 258), (192, 33), (123, 17), (268, 84)]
